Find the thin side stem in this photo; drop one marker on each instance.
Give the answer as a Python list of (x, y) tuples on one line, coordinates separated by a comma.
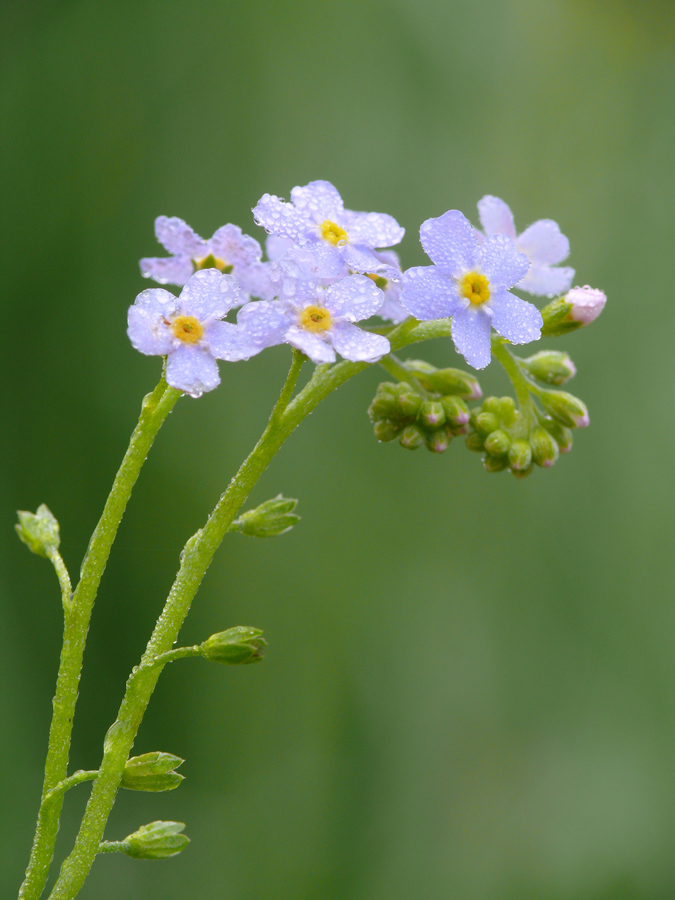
[(155, 408), (64, 578), (67, 783), (395, 367), (519, 382)]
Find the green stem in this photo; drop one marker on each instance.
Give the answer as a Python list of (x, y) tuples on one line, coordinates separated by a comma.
[(173, 655), (67, 783), (520, 383), (195, 560), (112, 847), (155, 408), (63, 576)]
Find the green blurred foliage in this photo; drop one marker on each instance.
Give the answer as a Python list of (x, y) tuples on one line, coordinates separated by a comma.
[(470, 686)]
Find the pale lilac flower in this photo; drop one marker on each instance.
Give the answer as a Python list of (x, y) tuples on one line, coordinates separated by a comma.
[(392, 308), (543, 244), (228, 251), (187, 330), (587, 303), (338, 237), (319, 320), (470, 282)]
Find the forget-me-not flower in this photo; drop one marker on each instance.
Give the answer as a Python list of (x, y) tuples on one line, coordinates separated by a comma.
[(338, 237), (470, 281), (229, 251), (543, 244), (318, 320), (188, 331)]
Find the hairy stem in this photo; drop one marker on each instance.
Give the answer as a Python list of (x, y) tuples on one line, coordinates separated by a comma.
[(155, 408)]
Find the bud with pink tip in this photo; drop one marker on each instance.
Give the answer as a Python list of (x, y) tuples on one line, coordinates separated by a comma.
[(587, 304)]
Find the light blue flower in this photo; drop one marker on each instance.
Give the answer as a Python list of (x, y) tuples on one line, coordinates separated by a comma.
[(188, 331), (470, 282), (543, 244), (338, 237), (228, 251), (318, 320)]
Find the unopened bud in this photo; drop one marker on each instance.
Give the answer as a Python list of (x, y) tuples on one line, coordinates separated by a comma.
[(498, 443), (561, 435), (485, 423), (39, 531), (384, 402), (411, 437), (565, 408), (152, 772), (456, 411), (385, 430), (409, 403), (445, 381), (271, 518), (474, 442), (544, 448), (520, 455), (236, 646), (495, 464), (551, 367), (438, 441), (158, 840), (587, 303), (432, 414)]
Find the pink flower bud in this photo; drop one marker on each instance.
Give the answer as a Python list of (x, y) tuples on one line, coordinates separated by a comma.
[(587, 303)]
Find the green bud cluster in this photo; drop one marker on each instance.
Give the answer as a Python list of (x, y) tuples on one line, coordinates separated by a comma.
[(507, 441), (399, 411), (236, 646)]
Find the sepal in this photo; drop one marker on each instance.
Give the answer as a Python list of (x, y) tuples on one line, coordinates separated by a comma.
[(236, 646), (157, 840), (152, 772), (271, 518), (39, 531)]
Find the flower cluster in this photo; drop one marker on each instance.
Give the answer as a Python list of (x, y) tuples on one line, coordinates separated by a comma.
[(329, 268)]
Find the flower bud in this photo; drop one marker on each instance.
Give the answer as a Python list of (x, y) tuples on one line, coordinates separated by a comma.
[(384, 403), (411, 437), (271, 518), (495, 464), (236, 646), (551, 367), (498, 443), (432, 414), (565, 408), (587, 304), (556, 317), (438, 441), (386, 430), (520, 455), (485, 423), (544, 448), (39, 531), (158, 840), (409, 403), (152, 772), (561, 435), (456, 412), (445, 381), (474, 442)]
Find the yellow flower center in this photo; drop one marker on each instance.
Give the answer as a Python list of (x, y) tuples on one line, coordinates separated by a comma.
[(333, 233), (187, 329), (475, 287), (315, 318), (212, 262), (378, 279)]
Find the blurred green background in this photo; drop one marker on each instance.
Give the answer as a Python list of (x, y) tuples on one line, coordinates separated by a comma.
[(470, 684)]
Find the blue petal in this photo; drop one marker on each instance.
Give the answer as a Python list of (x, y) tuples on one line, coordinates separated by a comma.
[(450, 242), (471, 334), (515, 319)]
